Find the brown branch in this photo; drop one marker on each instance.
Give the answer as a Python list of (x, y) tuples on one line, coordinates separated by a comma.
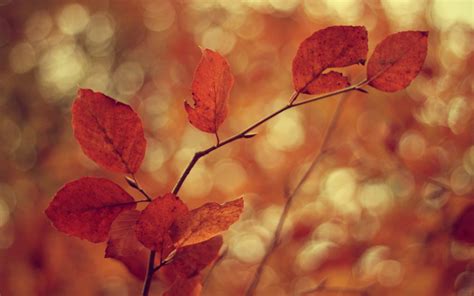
[(276, 237), (242, 135)]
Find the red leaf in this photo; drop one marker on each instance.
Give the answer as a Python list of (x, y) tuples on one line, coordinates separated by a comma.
[(185, 287), (207, 221), (337, 46), (124, 246), (190, 260), (87, 207), (109, 132), (463, 228), (154, 224), (397, 60), (211, 87), (327, 83)]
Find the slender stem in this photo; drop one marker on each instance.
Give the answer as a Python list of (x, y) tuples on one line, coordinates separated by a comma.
[(276, 237), (137, 186), (149, 273), (243, 134)]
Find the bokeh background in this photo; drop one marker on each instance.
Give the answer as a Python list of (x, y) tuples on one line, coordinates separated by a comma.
[(376, 214)]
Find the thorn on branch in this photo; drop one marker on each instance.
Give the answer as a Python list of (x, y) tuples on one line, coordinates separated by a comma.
[(362, 90), (249, 136), (131, 182)]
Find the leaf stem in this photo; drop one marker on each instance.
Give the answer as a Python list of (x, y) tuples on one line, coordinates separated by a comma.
[(134, 184), (289, 200)]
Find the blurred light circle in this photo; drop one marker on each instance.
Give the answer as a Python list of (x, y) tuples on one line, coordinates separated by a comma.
[(100, 28), (459, 114), (468, 160), (60, 69), (445, 14), (314, 254), (286, 133), (461, 181), (339, 187), (229, 175), (38, 26), (218, 39), (389, 273), (128, 78), (73, 19), (412, 145), (247, 247), (22, 58), (402, 183), (198, 184), (158, 16), (377, 198)]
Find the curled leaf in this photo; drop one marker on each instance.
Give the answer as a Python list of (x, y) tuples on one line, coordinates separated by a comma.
[(86, 207), (124, 246), (462, 229), (337, 46), (207, 221), (190, 260), (397, 60), (109, 132), (211, 87), (155, 221)]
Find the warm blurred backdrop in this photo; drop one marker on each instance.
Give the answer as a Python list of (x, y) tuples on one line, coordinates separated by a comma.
[(376, 212)]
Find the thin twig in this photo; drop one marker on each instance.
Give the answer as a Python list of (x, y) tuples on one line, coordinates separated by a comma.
[(242, 135), (290, 198), (149, 273), (133, 182)]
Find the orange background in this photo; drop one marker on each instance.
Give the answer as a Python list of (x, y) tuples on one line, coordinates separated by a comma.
[(375, 213)]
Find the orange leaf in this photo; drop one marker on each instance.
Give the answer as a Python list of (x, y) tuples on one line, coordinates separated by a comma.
[(190, 260), (185, 287), (109, 132), (397, 60), (338, 46), (463, 229), (153, 225), (207, 221), (86, 207), (211, 87), (124, 246)]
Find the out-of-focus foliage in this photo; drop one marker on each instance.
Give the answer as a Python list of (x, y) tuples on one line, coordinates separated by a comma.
[(377, 212)]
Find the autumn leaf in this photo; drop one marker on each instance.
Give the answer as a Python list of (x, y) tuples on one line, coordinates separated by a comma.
[(337, 46), (211, 87), (109, 132), (124, 246), (86, 207), (185, 287), (155, 221), (190, 260), (397, 60), (462, 229), (207, 221)]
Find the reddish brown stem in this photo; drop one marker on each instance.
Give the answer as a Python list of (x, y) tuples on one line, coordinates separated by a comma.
[(242, 135)]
